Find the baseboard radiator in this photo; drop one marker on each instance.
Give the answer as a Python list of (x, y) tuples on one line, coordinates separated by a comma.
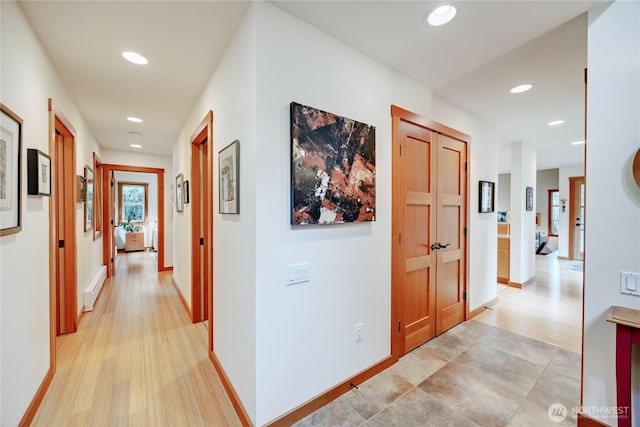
[(92, 290)]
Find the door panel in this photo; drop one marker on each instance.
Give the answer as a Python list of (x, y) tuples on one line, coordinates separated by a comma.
[(418, 228), (451, 220)]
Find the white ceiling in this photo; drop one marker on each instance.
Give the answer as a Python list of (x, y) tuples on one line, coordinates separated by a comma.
[(473, 61)]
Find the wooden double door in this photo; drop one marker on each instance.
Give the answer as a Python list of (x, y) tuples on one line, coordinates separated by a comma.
[(429, 242)]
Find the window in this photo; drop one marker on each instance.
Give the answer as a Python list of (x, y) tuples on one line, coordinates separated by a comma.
[(554, 212), (133, 201)]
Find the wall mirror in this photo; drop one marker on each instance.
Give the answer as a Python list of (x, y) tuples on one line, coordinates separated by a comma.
[(88, 204)]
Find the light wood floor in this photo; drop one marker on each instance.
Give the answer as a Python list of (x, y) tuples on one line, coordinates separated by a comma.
[(549, 310), (136, 360)]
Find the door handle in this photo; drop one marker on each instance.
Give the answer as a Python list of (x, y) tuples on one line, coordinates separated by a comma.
[(437, 246)]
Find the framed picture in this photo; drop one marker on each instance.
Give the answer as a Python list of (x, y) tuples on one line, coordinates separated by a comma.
[(10, 172), (529, 199), (179, 199), (88, 204), (486, 197), (38, 173), (228, 178), (185, 191), (81, 187), (333, 168)]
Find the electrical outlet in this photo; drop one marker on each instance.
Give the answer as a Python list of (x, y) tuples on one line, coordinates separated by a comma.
[(358, 332)]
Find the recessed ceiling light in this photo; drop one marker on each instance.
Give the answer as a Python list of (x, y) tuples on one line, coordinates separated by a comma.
[(440, 15), (556, 122), (135, 58), (134, 119), (135, 145), (577, 143), (521, 88)]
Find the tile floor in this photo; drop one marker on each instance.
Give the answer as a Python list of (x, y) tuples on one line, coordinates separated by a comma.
[(473, 375)]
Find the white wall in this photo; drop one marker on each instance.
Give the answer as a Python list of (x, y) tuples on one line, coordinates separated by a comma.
[(504, 192), (566, 172), (523, 222), (130, 158), (27, 80), (231, 94), (305, 333), (612, 199)]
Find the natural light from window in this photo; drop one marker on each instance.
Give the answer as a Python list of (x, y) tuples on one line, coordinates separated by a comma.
[(133, 202)]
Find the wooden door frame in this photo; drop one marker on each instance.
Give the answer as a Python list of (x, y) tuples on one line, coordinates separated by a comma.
[(58, 122), (203, 134), (108, 167), (572, 222), (396, 314)]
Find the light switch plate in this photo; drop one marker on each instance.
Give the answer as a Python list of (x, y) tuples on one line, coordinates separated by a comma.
[(297, 273), (630, 283)]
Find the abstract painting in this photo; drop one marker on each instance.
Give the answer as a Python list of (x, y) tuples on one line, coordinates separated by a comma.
[(333, 172)]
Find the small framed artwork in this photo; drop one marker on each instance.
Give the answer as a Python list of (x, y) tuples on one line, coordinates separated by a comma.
[(10, 171), (229, 186), (38, 173), (185, 191), (81, 188), (179, 197), (529, 199), (486, 197), (88, 205)]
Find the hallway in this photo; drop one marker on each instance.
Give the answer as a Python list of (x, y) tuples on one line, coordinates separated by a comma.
[(136, 360)]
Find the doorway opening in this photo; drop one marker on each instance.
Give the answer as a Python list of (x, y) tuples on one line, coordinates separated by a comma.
[(147, 225), (576, 218)]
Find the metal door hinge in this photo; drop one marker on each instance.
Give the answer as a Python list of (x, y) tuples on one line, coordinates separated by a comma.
[(60, 244), (398, 326), (202, 241), (401, 150), (464, 295)]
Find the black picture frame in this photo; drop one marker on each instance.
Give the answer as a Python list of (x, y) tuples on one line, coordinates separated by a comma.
[(486, 196), (185, 191), (10, 171), (38, 173), (529, 199)]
